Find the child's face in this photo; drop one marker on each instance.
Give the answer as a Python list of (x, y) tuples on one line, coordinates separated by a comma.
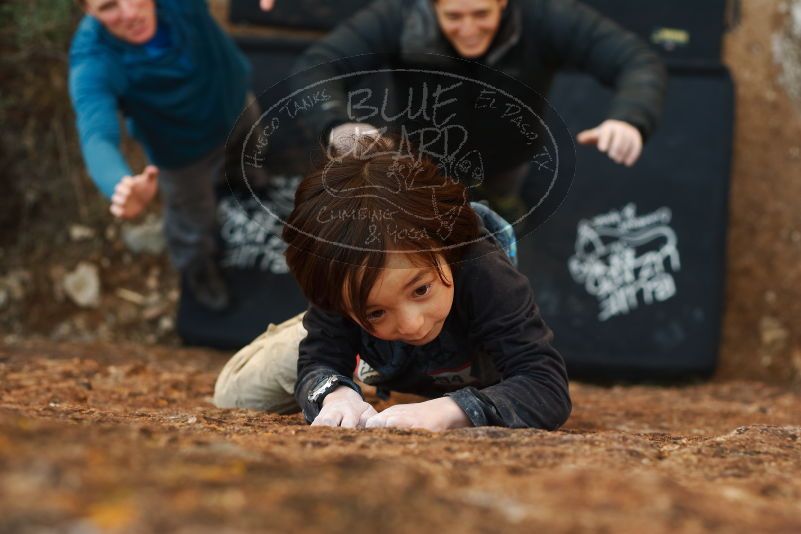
[(409, 303)]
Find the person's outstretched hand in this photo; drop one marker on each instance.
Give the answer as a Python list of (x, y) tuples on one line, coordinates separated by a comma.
[(266, 5), (619, 139), (344, 407), (435, 415), (133, 194)]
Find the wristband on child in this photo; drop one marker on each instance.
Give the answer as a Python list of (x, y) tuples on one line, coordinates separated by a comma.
[(328, 385)]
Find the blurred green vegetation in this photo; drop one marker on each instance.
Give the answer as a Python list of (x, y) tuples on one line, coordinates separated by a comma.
[(40, 164), (44, 23), (34, 39), (46, 189)]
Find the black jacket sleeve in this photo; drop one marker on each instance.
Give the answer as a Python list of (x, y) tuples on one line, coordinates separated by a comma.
[(329, 349), (352, 47), (504, 321), (575, 35)]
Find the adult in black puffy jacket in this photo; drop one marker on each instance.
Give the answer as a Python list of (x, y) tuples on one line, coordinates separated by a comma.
[(529, 40)]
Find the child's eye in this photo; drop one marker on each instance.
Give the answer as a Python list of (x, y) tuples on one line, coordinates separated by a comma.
[(422, 290), (374, 316)]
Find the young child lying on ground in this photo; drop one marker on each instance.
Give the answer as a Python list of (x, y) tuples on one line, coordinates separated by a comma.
[(401, 271)]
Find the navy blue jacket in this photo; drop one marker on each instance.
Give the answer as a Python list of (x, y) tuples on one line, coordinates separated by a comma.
[(179, 104), (494, 356)]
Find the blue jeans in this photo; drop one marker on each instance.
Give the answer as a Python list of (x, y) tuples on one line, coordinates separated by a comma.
[(501, 230)]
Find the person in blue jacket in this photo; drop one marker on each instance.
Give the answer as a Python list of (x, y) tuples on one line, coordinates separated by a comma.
[(180, 83)]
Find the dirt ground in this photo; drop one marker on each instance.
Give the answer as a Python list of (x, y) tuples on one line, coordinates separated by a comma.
[(121, 438)]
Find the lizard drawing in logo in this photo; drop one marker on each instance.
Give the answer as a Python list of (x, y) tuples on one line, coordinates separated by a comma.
[(405, 173)]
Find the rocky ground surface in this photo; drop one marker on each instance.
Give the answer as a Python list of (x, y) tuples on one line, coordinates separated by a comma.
[(122, 438)]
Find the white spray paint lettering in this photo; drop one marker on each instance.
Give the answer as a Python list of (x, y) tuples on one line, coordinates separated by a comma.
[(626, 260), (252, 236)]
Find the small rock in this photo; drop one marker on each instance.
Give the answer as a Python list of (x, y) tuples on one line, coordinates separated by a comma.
[(153, 312), (130, 296), (166, 324), (83, 285), (80, 322), (772, 332), (11, 339), (104, 332), (152, 281), (127, 313), (61, 331), (79, 232), (16, 283), (153, 299), (146, 237), (57, 273)]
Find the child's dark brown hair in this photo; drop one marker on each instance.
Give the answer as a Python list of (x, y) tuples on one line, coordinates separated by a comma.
[(356, 207)]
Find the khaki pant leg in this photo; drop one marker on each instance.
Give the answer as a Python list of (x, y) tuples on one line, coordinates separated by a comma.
[(262, 375)]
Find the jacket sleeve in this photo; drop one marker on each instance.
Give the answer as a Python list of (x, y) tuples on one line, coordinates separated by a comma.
[(576, 35), (355, 45), (96, 111), (329, 349), (505, 322)]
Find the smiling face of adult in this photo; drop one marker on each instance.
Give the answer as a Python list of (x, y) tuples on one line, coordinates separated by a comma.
[(469, 25), (132, 21)]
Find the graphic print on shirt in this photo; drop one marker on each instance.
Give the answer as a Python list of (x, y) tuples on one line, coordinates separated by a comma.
[(626, 260), (367, 374), (457, 375), (252, 238), (454, 376)]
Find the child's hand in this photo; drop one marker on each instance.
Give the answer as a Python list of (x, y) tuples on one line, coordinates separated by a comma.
[(134, 193), (435, 415), (619, 139), (344, 407)]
